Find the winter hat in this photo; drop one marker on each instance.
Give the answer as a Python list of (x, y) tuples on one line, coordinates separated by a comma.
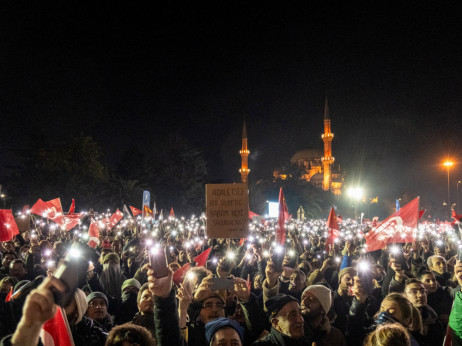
[(111, 256), (131, 282), (323, 294), (276, 303), (347, 270), (221, 322), (94, 295), (81, 302)]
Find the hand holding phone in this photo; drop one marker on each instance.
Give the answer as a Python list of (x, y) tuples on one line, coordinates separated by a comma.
[(158, 261), (226, 283)]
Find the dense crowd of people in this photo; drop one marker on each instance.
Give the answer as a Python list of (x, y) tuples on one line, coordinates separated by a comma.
[(250, 291)]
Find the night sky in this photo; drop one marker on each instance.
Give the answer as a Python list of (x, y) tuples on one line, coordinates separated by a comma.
[(132, 73)]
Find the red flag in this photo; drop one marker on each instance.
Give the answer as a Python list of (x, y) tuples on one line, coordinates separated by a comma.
[(178, 275), (93, 233), (172, 213), (421, 213), (72, 208), (252, 215), (339, 218), (8, 297), (455, 216), (202, 258), (333, 231), (242, 241), (71, 221), (397, 228), (56, 331), (283, 217), (110, 222), (51, 210), (135, 211), (148, 212), (8, 226)]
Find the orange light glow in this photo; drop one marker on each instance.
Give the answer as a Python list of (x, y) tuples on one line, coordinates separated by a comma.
[(448, 163)]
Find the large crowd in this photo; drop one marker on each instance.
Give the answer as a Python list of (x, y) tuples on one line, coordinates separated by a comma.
[(250, 291)]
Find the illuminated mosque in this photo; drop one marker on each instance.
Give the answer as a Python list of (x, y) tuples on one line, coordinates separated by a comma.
[(317, 167)]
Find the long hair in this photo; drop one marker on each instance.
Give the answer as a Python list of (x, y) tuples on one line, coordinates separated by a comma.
[(411, 316), (389, 334)]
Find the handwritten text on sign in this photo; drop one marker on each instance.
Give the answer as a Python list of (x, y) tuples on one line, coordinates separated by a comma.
[(227, 210)]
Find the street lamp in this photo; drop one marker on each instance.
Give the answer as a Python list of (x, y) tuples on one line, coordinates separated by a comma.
[(448, 164), (355, 193)]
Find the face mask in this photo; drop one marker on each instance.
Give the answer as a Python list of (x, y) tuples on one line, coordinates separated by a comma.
[(385, 317), (128, 295)]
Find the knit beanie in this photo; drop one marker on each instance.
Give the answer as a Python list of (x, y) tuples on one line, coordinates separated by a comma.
[(111, 256), (347, 270), (221, 322), (323, 294), (131, 282), (81, 302), (94, 295)]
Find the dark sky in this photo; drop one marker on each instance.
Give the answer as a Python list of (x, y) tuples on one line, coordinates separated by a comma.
[(132, 73)]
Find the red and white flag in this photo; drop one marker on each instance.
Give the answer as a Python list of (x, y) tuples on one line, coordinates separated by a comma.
[(71, 221), (252, 215), (397, 228), (282, 218), (56, 331), (8, 226), (50, 210), (110, 222), (333, 230), (135, 211), (93, 233)]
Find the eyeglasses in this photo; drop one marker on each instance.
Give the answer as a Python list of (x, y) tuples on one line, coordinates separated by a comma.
[(209, 306), (422, 291)]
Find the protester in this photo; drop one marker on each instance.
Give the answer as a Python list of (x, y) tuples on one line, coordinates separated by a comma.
[(314, 295)]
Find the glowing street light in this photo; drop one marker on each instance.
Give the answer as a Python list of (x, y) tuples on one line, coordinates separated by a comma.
[(355, 193), (448, 164)]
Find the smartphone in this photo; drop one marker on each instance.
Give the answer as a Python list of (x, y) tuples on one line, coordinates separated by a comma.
[(158, 262), (72, 272), (278, 259), (365, 274), (226, 283), (459, 254), (398, 255)]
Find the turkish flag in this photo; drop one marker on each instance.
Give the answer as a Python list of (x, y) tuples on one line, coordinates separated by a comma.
[(202, 258), (93, 233), (110, 222), (172, 213), (455, 216), (178, 275), (56, 332), (333, 231), (282, 218), (397, 228), (50, 210), (135, 211), (8, 226), (71, 221), (72, 208)]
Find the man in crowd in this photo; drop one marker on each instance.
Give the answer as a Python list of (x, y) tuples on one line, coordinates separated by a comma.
[(97, 310), (432, 326)]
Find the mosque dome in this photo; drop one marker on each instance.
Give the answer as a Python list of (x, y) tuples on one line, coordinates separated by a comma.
[(307, 155)]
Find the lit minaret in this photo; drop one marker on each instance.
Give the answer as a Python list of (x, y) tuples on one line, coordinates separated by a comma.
[(327, 159), (245, 156)]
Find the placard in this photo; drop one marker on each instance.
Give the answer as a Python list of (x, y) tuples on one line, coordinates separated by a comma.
[(227, 210)]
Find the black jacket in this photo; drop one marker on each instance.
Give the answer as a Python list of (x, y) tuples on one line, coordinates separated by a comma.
[(275, 338)]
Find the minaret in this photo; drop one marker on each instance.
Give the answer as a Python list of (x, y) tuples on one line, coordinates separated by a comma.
[(327, 159), (244, 155)]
